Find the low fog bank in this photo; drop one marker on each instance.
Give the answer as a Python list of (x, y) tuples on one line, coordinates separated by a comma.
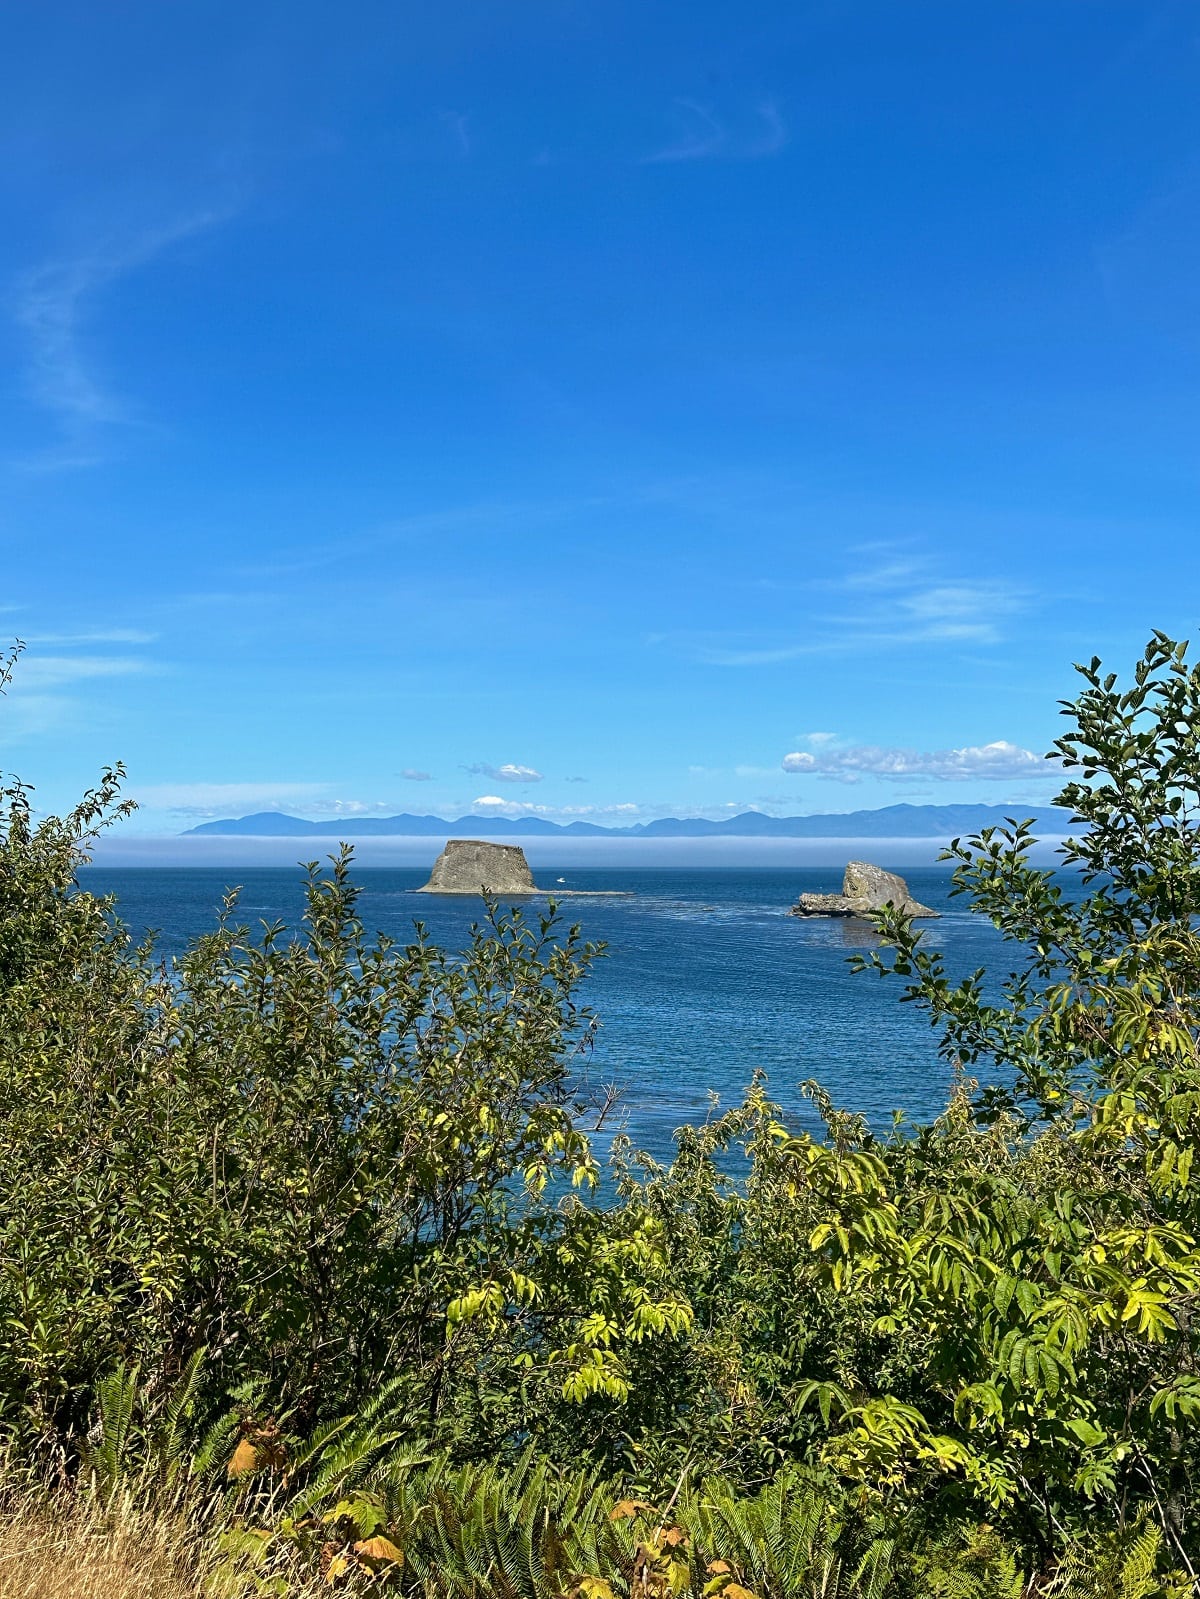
[(112, 850)]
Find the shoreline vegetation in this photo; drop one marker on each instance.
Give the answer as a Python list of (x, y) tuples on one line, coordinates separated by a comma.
[(305, 1285)]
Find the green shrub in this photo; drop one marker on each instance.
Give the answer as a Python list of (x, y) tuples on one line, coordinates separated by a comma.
[(308, 1208), (298, 1166)]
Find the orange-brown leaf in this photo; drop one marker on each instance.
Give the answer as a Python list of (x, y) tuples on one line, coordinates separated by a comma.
[(627, 1509), (379, 1550), (718, 1566), (243, 1459)]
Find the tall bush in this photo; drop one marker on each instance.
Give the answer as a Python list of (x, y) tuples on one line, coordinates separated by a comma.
[(994, 1315), (314, 1162)]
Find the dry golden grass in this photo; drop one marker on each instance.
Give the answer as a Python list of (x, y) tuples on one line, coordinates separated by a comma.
[(148, 1543), (70, 1549)]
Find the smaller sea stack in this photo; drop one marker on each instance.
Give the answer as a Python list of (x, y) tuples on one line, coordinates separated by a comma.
[(471, 866)]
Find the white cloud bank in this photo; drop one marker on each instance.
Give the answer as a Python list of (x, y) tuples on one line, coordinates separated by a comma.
[(497, 805), (996, 761)]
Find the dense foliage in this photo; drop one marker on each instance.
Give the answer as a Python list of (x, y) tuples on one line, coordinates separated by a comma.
[(309, 1213)]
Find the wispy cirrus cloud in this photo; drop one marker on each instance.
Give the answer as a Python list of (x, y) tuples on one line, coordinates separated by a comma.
[(510, 772), (460, 131), (886, 602), (700, 135), (52, 303), (450, 524), (774, 134), (39, 673), (112, 635), (913, 596), (48, 691), (997, 761), (962, 610), (711, 650), (411, 774)]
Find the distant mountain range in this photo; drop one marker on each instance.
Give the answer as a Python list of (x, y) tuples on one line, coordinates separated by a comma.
[(892, 821)]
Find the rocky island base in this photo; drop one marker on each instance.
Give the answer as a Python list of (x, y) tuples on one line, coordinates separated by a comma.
[(866, 889)]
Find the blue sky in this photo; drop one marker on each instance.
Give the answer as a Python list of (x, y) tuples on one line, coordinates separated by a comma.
[(596, 409)]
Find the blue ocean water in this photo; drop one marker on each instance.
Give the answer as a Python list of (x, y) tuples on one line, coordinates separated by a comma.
[(706, 978)]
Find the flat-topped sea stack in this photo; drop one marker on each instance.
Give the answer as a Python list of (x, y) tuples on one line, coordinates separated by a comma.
[(865, 890), (470, 866)]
